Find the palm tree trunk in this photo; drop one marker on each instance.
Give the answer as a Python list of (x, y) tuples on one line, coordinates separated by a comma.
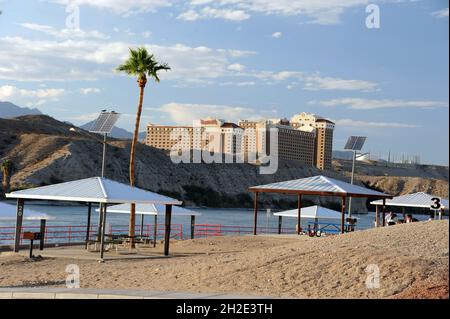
[(5, 180), (132, 224)]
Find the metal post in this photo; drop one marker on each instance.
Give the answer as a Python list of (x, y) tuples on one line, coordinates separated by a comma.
[(102, 242), (377, 222), (19, 219), (104, 154), (351, 182), (299, 219), (100, 222), (155, 231), (192, 226), (280, 222), (255, 213), (142, 225), (441, 211), (88, 227), (42, 231), (167, 231), (383, 212), (343, 214)]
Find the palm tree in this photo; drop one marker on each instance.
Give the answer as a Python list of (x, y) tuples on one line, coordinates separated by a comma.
[(143, 65), (6, 168)]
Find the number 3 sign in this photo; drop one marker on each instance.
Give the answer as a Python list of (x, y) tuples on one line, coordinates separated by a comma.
[(436, 203)]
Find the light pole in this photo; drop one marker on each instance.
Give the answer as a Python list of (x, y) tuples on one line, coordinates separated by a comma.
[(354, 143), (104, 125)]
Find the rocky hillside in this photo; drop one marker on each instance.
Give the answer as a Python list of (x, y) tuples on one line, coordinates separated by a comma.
[(46, 151)]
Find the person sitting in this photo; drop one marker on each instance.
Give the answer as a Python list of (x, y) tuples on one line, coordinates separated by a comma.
[(390, 219), (409, 218)]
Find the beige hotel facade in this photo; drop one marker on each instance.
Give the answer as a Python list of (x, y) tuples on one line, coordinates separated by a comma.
[(306, 138)]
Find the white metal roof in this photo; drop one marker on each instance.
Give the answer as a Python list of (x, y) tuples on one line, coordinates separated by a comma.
[(151, 209), (95, 190), (320, 184), (8, 212), (312, 212), (419, 199)]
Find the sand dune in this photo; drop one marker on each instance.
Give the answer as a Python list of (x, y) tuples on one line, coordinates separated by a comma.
[(412, 260)]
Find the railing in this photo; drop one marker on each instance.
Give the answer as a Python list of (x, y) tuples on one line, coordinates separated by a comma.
[(208, 230), (77, 234)]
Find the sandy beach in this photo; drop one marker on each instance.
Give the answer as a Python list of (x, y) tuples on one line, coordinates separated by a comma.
[(412, 259)]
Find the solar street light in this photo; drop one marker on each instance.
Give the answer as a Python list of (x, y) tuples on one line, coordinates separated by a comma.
[(104, 124), (354, 144)]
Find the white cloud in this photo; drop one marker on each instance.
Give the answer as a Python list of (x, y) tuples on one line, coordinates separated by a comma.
[(371, 124), (315, 83), (236, 67), (146, 34), (317, 11), (213, 13), (277, 35), (64, 33), (244, 83), (30, 97), (441, 13), (123, 7), (86, 91), (369, 104), (81, 59), (183, 114)]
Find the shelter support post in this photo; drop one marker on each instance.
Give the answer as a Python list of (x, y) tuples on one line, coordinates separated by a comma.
[(102, 237), (192, 226), (383, 212), (280, 224), (88, 227), (167, 231), (155, 231), (255, 213), (299, 209), (100, 222), (19, 219), (377, 215), (142, 225), (42, 231), (343, 214)]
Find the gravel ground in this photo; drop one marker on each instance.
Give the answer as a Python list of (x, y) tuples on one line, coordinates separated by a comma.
[(412, 260)]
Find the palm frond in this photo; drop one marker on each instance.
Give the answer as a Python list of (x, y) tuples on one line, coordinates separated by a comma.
[(141, 63)]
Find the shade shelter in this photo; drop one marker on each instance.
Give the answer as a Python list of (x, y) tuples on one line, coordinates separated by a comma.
[(318, 186), (93, 190), (420, 200), (155, 210), (311, 212)]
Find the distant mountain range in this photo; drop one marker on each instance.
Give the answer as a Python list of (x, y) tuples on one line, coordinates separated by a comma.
[(9, 110)]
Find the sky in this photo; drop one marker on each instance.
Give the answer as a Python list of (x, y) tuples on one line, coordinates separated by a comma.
[(384, 78)]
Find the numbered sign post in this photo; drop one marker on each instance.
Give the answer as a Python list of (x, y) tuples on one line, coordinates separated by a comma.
[(436, 206)]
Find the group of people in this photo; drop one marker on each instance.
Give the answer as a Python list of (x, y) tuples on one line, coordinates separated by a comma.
[(391, 219)]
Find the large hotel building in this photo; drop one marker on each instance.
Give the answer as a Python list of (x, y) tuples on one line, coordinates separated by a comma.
[(306, 138)]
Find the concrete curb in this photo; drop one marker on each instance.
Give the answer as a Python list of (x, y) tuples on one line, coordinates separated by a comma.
[(62, 293)]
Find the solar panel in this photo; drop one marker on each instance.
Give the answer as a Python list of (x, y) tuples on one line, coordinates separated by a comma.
[(355, 143), (105, 122)]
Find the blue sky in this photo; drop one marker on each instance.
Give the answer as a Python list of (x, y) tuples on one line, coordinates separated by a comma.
[(238, 59)]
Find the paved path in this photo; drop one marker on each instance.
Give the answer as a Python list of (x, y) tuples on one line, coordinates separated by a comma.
[(86, 293)]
